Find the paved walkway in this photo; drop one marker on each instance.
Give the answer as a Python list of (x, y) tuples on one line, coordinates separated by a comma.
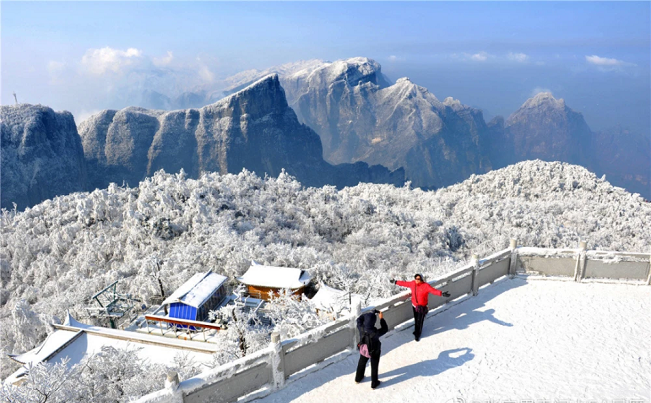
[(518, 340)]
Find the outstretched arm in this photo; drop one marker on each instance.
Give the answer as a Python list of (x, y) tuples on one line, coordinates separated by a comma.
[(404, 283), (434, 291)]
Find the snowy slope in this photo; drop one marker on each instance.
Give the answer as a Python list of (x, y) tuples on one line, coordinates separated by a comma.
[(516, 341)]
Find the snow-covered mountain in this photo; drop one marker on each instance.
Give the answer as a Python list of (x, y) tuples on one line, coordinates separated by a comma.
[(56, 255), (545, 127), (42, 156), (361, 116)]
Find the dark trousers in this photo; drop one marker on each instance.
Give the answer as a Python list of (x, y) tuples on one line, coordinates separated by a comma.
[(361, 367), (419, 318)]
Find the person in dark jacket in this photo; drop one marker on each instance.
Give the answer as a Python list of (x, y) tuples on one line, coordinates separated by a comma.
[(420, 290), (366, 324)]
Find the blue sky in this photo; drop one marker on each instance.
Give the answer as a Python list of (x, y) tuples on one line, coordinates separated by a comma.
[(94, 55)]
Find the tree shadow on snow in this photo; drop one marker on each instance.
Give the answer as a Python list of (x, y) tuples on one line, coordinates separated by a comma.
[(446, 360)]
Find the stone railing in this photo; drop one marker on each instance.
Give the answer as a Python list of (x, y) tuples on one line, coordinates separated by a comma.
[(264, 371)]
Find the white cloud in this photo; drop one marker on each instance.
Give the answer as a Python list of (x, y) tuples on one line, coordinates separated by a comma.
[(608, 64), (85, 114), (517, 57), (393, 58), (206, 75), (100, 61), (538, 90), (476, 57), (603, 61), (163, 61), (480, 57)]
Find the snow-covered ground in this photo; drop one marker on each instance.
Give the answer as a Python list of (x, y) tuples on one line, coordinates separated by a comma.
[(518, 340)]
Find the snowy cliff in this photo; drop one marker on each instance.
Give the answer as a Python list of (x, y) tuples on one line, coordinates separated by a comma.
[(360, 116), (42, 156), (253, 129)]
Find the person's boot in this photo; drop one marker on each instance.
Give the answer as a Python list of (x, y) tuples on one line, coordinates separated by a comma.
[(376, 385)]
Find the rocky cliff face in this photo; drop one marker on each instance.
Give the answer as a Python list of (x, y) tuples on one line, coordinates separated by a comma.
[(545, 128), (253, 129), (42, 156), (360, 116)]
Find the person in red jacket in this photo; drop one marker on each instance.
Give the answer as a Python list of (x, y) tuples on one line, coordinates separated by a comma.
[(420, 291)]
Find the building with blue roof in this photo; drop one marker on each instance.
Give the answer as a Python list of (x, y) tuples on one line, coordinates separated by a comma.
[(197, 297)]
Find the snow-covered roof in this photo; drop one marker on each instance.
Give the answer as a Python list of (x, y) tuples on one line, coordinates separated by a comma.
[(275, 277), (333, 300), (196, 290), (76, 340), (53, 343)]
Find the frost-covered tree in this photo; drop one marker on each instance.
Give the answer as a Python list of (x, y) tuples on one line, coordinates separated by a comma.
[(44, 383), (291, 314), (112, 375), (245, 333)]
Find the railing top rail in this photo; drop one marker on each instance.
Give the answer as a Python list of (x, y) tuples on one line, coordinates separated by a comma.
[(532, 251), (495, 257), (176, 321), (608, 253), (463, 270)]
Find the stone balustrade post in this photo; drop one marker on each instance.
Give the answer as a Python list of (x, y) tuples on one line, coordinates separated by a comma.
[(475, 269), (356, 310), (277, 361), (513, 262), (579, 269)]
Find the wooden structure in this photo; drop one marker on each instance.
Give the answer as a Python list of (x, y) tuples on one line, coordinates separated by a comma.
[(263, 281)]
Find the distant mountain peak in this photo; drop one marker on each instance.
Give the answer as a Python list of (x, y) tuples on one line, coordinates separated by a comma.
[(353, 71), (544, 99)]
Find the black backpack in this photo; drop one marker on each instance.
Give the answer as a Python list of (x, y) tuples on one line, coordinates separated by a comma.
[(372, 345)]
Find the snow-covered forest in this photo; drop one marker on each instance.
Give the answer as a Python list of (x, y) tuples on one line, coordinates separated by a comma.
[(56, 255)]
